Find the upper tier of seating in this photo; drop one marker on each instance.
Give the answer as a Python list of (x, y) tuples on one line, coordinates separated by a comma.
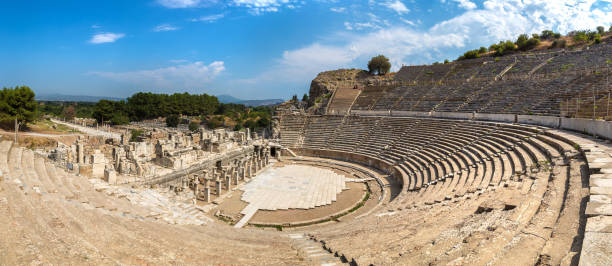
[(557, 82)]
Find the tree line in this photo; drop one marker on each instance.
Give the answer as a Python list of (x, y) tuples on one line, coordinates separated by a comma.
[(203, 107)]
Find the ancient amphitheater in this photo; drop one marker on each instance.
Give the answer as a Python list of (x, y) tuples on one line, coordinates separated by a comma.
[(468, 163)]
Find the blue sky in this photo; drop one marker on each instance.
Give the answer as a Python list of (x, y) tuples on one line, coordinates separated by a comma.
[(251, 49)]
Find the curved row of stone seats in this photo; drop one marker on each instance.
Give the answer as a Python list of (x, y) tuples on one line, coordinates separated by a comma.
[(49, 216), (369, 96), (351, 132), (384, 134), (464, 156), (320, 129), (292, 129), (493, 202)]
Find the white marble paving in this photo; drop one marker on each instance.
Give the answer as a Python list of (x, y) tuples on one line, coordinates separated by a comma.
[(290, 187)]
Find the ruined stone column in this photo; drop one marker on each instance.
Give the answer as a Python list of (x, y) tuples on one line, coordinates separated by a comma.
[(235, 178), (218, 187), (249, 172), (207, 194), (80, 154), (242, 172), (228, 184)]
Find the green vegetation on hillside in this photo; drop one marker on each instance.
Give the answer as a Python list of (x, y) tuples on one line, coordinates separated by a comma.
[(525, 43)]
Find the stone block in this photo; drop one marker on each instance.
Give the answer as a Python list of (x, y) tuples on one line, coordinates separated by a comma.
[(601, 224), (110, 176), (600, 182), (596, 249), (601, 190), (596, 208), (600, 198)]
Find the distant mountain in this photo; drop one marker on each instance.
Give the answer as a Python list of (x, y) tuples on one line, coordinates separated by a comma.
[(224, 98), (74, 98)]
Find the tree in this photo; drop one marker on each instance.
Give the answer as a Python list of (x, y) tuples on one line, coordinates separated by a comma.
[(379, 65), (103, 111), (17, 104), (193, 126), (172, 120), (601, 30), (69, 112), (482, 50), (305, 97), (294, 98)]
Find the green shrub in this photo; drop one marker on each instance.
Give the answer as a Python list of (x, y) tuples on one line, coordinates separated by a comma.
[(559, 44), (193, 126), (482, 50), (525, 43), (469, 55), (136, 133)]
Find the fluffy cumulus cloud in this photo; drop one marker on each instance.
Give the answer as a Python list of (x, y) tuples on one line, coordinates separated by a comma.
[(467, 4), (496, 20), (106, 37), (183, 76), (165, 27), (397, 6)]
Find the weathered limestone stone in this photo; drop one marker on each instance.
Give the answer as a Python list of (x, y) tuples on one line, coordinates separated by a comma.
[(218, 187), (228, 184), (207, 194), (596, 249), (98, 164), (80, 154), (596, 208), (601, 198), (110, 176), (601, 224), (235, 178)]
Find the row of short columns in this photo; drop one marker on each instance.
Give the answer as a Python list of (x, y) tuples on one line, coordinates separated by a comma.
[(229, 176)]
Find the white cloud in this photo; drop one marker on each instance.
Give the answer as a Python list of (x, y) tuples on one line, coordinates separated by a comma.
[(496, 20), (338, 9), (179, 3), (347, 25), (467, 4), (397, 6), (106, 37), (209, 18), (258, 7), (185, 76), (165, 27)]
